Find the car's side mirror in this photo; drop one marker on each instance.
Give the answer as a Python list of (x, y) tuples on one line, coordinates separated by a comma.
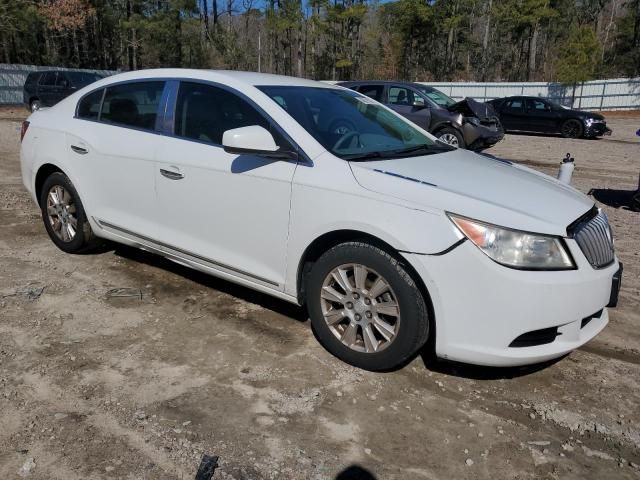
[(418, 102), (253, 140)]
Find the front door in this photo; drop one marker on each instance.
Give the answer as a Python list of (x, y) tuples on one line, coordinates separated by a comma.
[(541, 117), (409, 104), (224, 211)]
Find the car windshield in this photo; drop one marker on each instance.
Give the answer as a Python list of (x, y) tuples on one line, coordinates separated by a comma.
[(437, 96), (350, 125), (81, 79)]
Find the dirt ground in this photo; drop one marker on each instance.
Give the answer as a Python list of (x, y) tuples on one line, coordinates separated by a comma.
[(139, 383)]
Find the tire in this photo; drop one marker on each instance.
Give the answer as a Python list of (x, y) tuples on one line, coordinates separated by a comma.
[(451, 136), (35, 105), (70, 211), (398, 333), (571, 128)]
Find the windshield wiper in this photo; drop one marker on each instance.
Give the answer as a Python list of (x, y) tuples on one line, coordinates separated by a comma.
[(363, 157), (423, 148)]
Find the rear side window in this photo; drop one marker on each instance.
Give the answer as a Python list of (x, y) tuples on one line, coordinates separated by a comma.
[(132, 104), (89, 106), (372, 91), (515, 104), (48, 79), (205, 112), (32, 78)]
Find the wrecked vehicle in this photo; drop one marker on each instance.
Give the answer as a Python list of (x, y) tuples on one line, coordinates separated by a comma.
[(466, 124)]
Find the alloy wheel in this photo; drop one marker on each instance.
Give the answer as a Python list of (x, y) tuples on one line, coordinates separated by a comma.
[(449, 139), (571, 129), (360, 308), (61, 212)]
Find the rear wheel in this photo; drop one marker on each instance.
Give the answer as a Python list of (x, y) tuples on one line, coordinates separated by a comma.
[(571, 129), (451, 136), (365, 308), (64, 216)]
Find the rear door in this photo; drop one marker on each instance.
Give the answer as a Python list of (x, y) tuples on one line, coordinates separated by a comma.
[(512, 114), (62, 88), (112, 147)]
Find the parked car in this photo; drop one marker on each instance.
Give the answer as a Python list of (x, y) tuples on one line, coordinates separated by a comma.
[(539, 115), (388, 236), (48, 87), (465, 124)]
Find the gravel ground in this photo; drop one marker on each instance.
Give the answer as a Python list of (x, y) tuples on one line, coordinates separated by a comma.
[(96, 385)]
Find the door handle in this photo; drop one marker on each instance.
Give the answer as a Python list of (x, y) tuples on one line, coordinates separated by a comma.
[(80, 150), (171, 175)]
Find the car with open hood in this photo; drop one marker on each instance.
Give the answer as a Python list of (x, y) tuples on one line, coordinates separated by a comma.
[(541, 115), (465, 124), (391, 239)]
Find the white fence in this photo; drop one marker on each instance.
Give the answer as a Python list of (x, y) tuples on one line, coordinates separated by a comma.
[(614, 94), (13, 76)]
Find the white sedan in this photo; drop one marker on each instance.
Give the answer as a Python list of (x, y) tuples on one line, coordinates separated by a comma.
[(321, 196)]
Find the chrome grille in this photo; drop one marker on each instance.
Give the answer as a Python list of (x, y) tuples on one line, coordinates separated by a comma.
[(595, 240)]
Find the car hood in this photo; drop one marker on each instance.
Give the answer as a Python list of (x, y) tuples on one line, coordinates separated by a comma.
[(582, 113), (477, 186), (470, 108)]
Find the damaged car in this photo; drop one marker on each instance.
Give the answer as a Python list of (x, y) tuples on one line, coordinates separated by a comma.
[(466, 124)]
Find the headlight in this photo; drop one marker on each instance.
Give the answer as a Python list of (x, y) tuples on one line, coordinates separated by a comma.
[(591, 121), (514, 248)]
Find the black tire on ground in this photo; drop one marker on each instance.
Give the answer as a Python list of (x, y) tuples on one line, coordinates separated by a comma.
[(413, 327), (35, 105), (449, 133), (84, 239), (571, 128)]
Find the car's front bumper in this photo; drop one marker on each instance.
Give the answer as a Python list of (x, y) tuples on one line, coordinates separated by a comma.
[(482, 307), (597, 130), (479, 137)]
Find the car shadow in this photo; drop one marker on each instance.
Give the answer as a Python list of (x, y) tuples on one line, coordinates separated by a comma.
[(295, 312), (625, 199), (355, 472), (479, 372), (243, 293)]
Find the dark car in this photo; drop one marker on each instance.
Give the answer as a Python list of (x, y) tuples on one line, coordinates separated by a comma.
[(539, 115), (465, 124), (46, 88)]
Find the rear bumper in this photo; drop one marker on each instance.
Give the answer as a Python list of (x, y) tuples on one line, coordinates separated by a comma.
[(482, 307)]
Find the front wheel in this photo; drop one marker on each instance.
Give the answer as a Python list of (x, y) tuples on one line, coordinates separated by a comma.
[(451, 136), (571, 129), (35, 105), (64, 216), (365, 308)]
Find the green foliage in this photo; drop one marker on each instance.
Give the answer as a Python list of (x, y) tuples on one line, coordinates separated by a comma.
[(579, 56)]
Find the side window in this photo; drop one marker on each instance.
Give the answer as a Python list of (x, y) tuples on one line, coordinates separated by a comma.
[(48, 79), (372, 91), (400, 96), (205, 112), (89, 106), (132, 104), (515, 104), (537, 105)]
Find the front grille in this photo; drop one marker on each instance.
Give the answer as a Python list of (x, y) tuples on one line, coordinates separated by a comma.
[(593, 236)]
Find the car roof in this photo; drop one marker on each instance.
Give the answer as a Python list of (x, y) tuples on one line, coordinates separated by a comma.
[(230, 77), (383, 82)]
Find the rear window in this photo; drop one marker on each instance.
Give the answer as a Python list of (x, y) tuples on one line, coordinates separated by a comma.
[(132, 104), (89, 106)]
